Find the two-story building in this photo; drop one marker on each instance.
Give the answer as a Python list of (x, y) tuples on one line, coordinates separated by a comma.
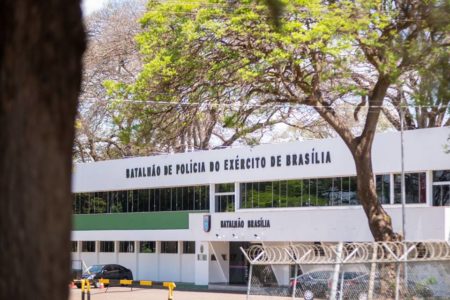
[(182, 217)]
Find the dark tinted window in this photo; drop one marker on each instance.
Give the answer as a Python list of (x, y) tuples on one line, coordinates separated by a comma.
[(106, 246), (88, 246), (415, 187), (225, 188), (74, 246), (108, 268), (164, 199), (169, 247), (383, 183), (441, 195), (441, 176), (296, 193), (147, 247), (188, 247), (126, 246)]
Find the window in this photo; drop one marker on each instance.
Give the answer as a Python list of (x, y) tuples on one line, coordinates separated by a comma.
[(188, 247), (144, 200), (115, 206), (224, 197), (76, 204), (244, 196), (225, 188), (84, 205), (383, 183), (441, 188), (88, 246), (441, 176), (74, 246), (324, 188), (165, 199), (441, 195), (126, 246), (99, 202), (106, 246), (144, 203), (415, 188), (294, 193), (169, 247), (225, 203), (297, 193), (147, 247)]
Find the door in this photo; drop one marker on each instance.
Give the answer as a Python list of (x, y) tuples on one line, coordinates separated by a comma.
[(239, 266)]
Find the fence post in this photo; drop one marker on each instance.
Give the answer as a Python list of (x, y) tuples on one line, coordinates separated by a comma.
[(337, 267), (372, 271), (397, 282), (250, 274), (294, 285)]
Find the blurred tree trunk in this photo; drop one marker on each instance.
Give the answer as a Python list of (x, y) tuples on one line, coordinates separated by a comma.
[(41, 45)]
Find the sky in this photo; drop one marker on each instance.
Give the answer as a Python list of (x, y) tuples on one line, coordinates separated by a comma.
[(89, 6)]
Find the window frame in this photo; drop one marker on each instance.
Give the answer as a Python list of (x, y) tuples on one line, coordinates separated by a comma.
[(188, 247), (105, 247), (124, 247), (84, 246), (152, 247), (164, 247)]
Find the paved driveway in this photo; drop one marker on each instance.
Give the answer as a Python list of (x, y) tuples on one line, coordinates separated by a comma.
[(123, 293)]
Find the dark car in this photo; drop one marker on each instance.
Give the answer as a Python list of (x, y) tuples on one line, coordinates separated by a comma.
[(358, 287), (355, 284), (109, 271), (315, 282)]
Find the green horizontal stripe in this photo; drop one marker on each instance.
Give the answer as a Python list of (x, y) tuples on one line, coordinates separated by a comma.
[(130, 221)]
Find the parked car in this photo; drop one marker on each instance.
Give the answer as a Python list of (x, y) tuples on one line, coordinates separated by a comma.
[(315, 282), (356, 285), (108, 271)]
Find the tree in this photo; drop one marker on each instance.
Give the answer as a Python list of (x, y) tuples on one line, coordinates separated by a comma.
[(426, 87), (111, 54), (41, 44), (322, 54)]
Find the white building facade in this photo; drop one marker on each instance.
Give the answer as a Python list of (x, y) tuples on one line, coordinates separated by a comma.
[(183, 217)]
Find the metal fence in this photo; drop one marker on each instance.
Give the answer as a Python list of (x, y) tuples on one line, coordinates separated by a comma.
[(403, 270)]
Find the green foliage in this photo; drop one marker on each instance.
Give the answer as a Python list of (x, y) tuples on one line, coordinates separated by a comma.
[(228, 56), (221, 44)]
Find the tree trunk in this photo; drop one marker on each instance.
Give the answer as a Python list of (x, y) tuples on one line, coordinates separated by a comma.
[(41, 44), (380, 222)]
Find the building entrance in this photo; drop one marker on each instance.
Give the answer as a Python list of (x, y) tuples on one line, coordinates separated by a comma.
[(238, 264)]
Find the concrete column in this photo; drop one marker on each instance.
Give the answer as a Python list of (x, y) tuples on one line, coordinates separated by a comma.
[(136, 256), (201, 263), (116, 251), (97, 251), (237, 196), (391, 188), (158, 259), (212, 198), (429, 187), (180, 263)]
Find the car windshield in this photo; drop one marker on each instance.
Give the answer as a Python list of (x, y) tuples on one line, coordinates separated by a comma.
[(94, 269)]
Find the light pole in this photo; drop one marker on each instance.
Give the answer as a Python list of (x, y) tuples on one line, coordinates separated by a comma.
[(403, 192)]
